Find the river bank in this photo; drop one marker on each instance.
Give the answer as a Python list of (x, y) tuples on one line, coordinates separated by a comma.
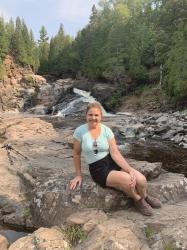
[(39, 194)]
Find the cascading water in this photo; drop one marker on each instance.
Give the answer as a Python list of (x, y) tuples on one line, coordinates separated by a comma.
[(78, 104)]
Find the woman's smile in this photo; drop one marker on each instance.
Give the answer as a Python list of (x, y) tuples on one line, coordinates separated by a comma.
[(93, 116)]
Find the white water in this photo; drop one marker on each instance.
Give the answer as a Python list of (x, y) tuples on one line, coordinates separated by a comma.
[(84, 97)]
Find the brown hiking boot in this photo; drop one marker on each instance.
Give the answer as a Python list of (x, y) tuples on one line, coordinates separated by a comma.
[(143, 207), (153, 202)]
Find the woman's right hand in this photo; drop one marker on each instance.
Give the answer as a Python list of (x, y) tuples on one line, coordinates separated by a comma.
[(76, 182)]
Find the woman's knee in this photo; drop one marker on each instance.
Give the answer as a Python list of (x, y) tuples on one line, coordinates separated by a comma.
[(141, 180), (125, 184)]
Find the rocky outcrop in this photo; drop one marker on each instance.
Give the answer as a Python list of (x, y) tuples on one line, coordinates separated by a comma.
[(50, 94), (101, 91), (18, 87), (161, 126), (57, 95), (45, 173)]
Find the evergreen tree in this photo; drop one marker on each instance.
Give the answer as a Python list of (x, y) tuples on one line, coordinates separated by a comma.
[(10, 28), (43, 50), (59, 53), (171, 40), (18, 43), (3, 40), (33, 53), (175, 66), (57, 44)]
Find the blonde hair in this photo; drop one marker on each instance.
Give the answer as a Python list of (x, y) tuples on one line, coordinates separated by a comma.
[(94, 105)]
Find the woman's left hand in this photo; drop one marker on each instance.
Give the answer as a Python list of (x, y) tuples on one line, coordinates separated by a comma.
[(133, 179)]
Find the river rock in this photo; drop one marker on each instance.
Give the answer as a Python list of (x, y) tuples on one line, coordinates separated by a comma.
[(39, 110), (51, 94), (110, 235), (3, 243), (166, 229), (89, 218), (169, 187), (43, 238), (150, 170)]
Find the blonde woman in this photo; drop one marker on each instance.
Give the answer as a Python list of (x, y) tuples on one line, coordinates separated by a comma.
[(107, 166)]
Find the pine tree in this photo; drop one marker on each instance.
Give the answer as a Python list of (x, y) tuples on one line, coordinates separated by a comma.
[(43, 50), (175, 66), (3, 40), (10, 28)]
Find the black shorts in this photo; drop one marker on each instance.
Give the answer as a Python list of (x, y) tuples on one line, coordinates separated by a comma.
[(99, 170)]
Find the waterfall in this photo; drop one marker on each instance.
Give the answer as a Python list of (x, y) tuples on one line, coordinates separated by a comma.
[(79, 104)]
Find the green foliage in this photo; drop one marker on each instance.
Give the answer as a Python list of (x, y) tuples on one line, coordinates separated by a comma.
[(22, 45), (117, 42), (59, 61), (114, 101), (15, 39), (2, 70), (175, 66), (171, 50), (27, 212), (43, 51), (3, 40), (125, 42), (168, 246), (141, 88), (29, 78), (148, 232), (74, 234)]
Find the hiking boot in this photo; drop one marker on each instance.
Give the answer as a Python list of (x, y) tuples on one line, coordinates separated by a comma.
[(143, 207), (153, 202)]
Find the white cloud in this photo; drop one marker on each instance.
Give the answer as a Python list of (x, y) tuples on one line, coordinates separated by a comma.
[(72, 10), (5, 14)]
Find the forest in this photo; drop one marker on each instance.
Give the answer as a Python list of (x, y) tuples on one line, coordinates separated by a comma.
[(126, 42)]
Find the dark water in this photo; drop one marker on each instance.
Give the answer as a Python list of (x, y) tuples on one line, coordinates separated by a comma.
[(12, 235), (173, 157)]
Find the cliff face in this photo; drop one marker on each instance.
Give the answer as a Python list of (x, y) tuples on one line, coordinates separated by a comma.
[(19, 84)]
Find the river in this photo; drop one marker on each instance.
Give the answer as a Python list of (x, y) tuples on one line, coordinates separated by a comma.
[(173, 157)]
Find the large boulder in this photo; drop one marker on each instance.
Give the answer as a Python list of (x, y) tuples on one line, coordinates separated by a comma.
[(43, 238), (110, 235), (3, 243)]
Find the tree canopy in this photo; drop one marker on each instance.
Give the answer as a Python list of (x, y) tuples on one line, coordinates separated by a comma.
[(122, 43)]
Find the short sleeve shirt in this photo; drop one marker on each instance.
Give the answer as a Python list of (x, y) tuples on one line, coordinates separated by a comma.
[(83, 135)]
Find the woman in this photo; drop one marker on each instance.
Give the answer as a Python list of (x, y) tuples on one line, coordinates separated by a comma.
[(107, 166)]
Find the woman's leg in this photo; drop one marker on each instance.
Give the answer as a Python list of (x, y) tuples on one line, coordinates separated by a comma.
[(121, 181), (141, 184)]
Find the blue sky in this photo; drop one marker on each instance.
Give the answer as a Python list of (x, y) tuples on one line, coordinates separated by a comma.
[(73, 14)]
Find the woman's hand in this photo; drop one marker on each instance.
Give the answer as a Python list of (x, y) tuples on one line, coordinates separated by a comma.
[(76, 182), (133, 179)]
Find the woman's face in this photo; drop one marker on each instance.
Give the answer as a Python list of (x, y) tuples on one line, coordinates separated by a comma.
[(93, 117)]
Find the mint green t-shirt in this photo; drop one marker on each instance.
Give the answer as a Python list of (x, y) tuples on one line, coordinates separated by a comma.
[(83, 135)]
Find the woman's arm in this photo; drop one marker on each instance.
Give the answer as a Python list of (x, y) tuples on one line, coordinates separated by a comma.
[(120, 160), (77, 157), (117, 157), (77, 164)]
